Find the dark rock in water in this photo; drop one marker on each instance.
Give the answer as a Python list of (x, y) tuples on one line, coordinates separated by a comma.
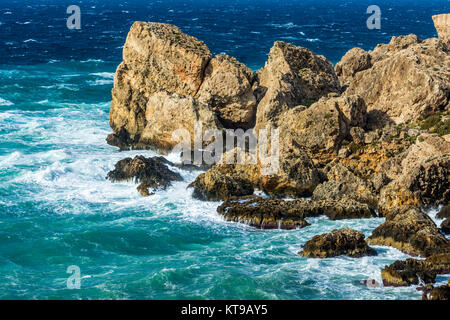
[(405, 273), (445, 226), (264, 213), (371, 283), (274, 213), (149, 172), (438, 293), (338, 242), (444, 213), (213, 186), (411, 231)]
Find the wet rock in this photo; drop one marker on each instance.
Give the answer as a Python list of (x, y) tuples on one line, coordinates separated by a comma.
[(338, 242), (292, 76), (411, 231), (405, 273), (274, 213), (148, 172), (439, 293), (445, 226)]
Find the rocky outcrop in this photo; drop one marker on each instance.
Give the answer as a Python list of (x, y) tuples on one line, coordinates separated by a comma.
[(438, 293), (292, 76), (320, 129), (148, 172), (408, 81), (274, 213), (343, 183), (352, 62), (338, 242), (214, 185), (168, 81), (414, 272), (444, 212), (442, 25), (227, 89), (411, 231), (420, 175)]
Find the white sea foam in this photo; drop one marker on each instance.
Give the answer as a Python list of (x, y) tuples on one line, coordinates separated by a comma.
[(107, 75), (4, 102)]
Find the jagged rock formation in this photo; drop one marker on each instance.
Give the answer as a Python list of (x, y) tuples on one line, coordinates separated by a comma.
[(411, 231), (409, 79), (438, 293), (352, 62), (292, 76), (148, 172), (445, 226), (444, 213), (338, 242)]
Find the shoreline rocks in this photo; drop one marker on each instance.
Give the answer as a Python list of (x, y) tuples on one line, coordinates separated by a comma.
[(150, 173), (338, 242)]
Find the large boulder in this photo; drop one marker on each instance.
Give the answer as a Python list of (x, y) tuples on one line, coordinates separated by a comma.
[(419, 176), (156, 57), (442, 25), (227, 89), (292, 76), (320, 129), (408, 81), (438, 293), (352, 62), (148, 172), (338, 242), (445, 226), (444, 212), (411, 231)]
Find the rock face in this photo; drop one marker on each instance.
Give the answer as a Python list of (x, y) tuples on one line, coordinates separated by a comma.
[(149, 172), (277, 213), (227, 89), (420, 175), (408, 81), (352, 62), (411, 231), (292, 76), (442, 25), (338, 242), (320, 129), (445, 226), (444, 213)]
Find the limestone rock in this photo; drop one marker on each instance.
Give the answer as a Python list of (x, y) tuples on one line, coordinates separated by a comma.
[(149, 172), (227, 89), (438, 293), (408, 81), (405, 273), (338, 242), (445, 226), (292, 76), (442, 25), (165, 113), (411, 231), (444, 213), (352, 62), (156, 57)]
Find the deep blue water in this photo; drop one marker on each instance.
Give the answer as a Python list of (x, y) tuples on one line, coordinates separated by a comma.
[(57, 209)]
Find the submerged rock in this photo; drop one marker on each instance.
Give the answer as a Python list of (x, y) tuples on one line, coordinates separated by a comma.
[(411, 231), (148, 172), (276, 213), (338, 242)]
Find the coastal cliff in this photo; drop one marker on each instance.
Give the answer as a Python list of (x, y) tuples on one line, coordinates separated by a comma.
[(371, 134)]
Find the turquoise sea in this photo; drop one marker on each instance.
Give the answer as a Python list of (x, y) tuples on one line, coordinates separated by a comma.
[(58, 210)]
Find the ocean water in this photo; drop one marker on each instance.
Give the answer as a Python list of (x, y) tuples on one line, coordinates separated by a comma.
[(57, 209)]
